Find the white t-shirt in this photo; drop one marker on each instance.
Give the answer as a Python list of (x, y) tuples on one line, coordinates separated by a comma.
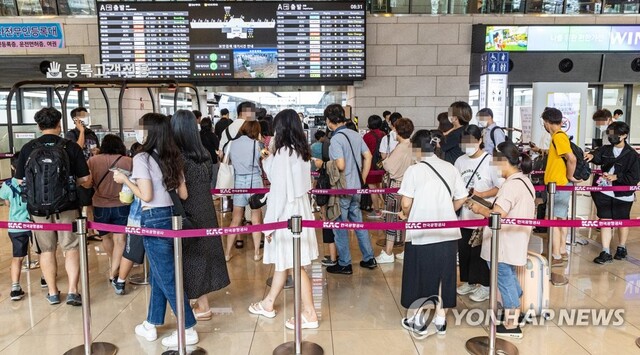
[(388, 143), (485, 178), (431, 199)]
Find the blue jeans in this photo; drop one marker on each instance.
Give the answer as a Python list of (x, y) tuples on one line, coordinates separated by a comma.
[(350, 212), (508, 285), (161, 262)]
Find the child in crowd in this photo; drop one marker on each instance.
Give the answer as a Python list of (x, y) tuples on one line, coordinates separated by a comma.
[(11, 193)]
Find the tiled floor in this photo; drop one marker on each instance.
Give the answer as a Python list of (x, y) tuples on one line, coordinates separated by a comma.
[(360, 313)]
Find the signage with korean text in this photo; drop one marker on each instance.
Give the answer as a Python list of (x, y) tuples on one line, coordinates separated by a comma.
[(31, 35)]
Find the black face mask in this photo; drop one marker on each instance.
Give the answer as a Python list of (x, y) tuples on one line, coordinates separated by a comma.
[(614, 139)]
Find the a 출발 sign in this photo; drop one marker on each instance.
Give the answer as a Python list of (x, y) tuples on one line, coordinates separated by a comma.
[(31, 35)]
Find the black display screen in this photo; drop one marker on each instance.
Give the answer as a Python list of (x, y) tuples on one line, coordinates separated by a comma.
[(233, 41)]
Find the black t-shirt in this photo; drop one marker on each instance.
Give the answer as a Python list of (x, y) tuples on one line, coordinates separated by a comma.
[(211, 142), (90, 138), (77, 164), (221, 126)]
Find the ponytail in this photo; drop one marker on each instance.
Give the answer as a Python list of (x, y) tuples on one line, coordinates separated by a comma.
[(526, 164)]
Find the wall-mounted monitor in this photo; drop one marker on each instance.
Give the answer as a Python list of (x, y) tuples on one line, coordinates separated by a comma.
[(236, 41)]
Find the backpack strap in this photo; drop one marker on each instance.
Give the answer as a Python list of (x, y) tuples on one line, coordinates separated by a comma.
[(475, 171), (107, 173), (354, 158), (527, 186), (492, 136), (440, 176)]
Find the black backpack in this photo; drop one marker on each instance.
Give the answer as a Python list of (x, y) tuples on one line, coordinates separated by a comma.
[(583, 171), (323, 182), (49, 188)]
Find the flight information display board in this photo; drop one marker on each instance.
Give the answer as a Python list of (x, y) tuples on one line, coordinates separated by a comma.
[(236, 41)]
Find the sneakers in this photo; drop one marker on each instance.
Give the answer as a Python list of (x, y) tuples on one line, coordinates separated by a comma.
[(53, 299), (371, 264), (16, 295), (413, 327), (441, 329), (385, 258), (191, 338), (376, 215), (465, 288), (147, 331), (557, 262), (400, 256), (603, 258), (118, 286), (337, 269), (480, 294), (621, 253), (43, 282), (502, 331), (74, 299), (328, 262)]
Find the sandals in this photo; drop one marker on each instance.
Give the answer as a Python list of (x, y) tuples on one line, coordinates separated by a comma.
[(207, 315), (290, 324), (256, 308)]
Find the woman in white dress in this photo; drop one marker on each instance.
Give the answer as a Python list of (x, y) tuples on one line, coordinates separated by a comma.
[(287, 165)]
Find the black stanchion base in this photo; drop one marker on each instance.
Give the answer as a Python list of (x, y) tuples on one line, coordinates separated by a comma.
[(480, 346), (192, 350), (96, 349), (287, 285), (306, 348), (638, 342), (138, 279)]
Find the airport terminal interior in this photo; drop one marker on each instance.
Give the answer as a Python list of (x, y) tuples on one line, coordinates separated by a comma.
[(123, 59)]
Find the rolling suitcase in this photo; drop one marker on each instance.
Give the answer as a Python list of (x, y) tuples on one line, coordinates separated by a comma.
[(534, 280)]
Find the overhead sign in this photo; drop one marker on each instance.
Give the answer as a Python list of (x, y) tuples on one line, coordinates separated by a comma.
[(493, 95), (494, 63), (31, 35), (72, 71), (622, 38)]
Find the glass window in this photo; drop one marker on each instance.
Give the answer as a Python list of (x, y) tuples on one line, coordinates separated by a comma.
[(620, 7), (76, 7), (522, 104), (8, 8), (592, 106), (29, 7), (72, 102), (166, 102), (32, 102), (3, 107)]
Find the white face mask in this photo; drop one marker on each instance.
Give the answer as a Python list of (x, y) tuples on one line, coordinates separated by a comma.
[(602, 128), (482, 124), (470, 150), (86, 120), (141, 135)]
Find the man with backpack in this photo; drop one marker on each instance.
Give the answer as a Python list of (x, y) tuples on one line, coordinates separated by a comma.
[(49, 170), (352, 157), (561, 166), (492, 134)]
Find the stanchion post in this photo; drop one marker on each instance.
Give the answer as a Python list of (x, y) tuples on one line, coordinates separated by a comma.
[(297, 346), (176, 225), (141, 278), (574, 204), (490, 345), (556, 279), (88, 348)]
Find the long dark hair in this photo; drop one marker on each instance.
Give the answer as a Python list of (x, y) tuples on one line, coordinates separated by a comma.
[(112, 144), (427, 141), (289, 134), (187, 136), (160, 138)]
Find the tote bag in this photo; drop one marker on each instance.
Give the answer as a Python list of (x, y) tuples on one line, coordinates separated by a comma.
[(225, 172)]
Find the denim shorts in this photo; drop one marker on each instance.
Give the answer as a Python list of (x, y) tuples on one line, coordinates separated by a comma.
[(561, 203), (245, 182), (111, 215)]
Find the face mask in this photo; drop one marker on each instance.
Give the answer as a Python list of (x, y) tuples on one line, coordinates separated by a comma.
[(470, 150), (482, 124), (140, 135), (602, 128), (614, 139), (85, 120)]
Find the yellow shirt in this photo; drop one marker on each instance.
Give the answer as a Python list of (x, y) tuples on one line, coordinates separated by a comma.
[(556, 170)]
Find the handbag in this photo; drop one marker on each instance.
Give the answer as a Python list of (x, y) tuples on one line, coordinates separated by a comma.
[(225, 178), (85, 195), (256, 201), (476, 237)]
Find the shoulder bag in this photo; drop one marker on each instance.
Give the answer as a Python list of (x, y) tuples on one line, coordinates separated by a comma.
[(226, 176), (85, 195), (366, 203)]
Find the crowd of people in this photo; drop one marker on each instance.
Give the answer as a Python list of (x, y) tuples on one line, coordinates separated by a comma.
[(457, 171)]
